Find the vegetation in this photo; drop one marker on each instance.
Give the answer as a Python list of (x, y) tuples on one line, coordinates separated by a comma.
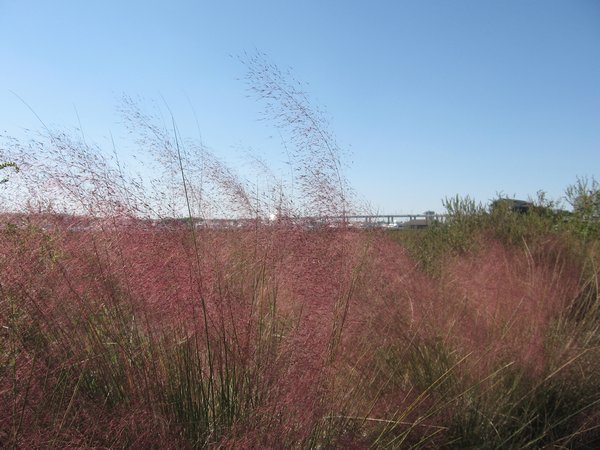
[(480, 332), (4, 166), (120, 327)]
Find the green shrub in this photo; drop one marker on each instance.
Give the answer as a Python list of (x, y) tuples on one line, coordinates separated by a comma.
[(4, 166)]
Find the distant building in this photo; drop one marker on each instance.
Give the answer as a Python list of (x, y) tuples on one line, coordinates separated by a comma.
[(520, 206), (416, 224)]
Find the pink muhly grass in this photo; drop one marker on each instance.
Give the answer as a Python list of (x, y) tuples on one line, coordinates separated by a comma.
[(507, 300), (128, 321)]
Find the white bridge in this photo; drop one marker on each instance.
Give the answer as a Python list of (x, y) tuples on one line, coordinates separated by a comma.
[(392, 221)]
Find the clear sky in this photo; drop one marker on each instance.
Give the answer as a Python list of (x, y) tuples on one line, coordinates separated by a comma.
[(431, 98)]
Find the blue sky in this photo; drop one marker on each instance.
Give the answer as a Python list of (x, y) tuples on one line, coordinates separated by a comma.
[(431, 98)]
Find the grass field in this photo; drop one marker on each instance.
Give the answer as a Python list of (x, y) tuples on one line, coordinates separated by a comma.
[(479, 333)]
